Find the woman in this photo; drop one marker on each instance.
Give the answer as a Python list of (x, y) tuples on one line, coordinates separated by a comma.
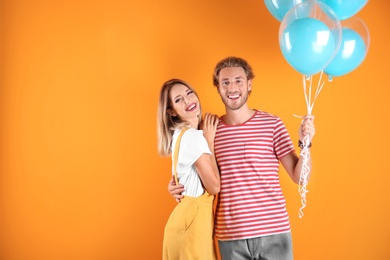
[(189, 230)]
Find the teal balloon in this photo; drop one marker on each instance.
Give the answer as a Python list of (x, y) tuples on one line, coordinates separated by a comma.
[(345, 9), (279, 8), (350, 55), (308, 45)]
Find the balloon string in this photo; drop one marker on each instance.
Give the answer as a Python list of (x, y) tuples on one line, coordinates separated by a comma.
[(308, 92), (305, 152), (305, 171)]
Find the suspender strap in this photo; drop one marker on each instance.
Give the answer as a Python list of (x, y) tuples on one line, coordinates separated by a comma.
[(175, 159)]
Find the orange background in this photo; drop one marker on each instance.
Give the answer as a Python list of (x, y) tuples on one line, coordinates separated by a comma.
[(80, 177)]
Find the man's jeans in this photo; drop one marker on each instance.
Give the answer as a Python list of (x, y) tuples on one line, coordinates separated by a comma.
[(275, 247)]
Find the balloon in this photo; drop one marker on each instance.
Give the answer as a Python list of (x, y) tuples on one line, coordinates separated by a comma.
[(345, 9), (353, 50), (309, 37), (279, 8), (308, 45)]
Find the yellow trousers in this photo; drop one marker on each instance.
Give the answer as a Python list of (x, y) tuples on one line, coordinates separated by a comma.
[(189, 231)]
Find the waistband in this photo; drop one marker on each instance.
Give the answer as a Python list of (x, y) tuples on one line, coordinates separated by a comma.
[(205, 199)]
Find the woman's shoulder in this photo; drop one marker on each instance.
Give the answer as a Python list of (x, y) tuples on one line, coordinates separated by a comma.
[(193, 133), (190, 133), (193, 137)]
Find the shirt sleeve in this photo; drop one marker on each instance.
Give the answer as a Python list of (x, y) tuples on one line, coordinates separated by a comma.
[(282, 141), (192, 146)]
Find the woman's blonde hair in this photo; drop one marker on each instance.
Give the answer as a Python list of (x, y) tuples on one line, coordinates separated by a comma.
[(166, 123)]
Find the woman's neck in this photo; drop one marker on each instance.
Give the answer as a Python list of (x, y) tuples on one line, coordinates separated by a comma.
[(194, 123)]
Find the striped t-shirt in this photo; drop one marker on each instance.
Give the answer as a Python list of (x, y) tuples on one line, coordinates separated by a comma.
[(251, 203)]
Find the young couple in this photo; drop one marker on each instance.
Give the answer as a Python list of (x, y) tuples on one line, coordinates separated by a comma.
[(237, 156)]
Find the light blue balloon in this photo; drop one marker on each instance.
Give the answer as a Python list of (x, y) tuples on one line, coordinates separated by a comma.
[(345, 9), (350, 55), (308, 45), (279, 8)]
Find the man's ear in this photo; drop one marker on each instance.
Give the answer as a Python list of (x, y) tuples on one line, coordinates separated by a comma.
[(250, 85), (218, 90), (171, 112)]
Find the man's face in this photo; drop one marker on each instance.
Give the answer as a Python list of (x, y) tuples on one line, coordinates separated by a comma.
[(234, 87)]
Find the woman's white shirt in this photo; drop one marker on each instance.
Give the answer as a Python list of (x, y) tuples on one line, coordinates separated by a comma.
[(192, 146)]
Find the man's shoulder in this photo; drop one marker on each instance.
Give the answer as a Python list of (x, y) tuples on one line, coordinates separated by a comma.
[(266, 115)]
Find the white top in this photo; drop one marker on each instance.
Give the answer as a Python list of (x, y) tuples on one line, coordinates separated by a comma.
[(192, 146)]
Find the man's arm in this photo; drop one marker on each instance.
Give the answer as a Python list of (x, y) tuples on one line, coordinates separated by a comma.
[(293, 165), (291, 162)]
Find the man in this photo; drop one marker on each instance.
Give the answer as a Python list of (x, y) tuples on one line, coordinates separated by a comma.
[(251, 218)]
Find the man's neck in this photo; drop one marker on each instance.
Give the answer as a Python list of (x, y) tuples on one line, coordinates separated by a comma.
[(239, 116)]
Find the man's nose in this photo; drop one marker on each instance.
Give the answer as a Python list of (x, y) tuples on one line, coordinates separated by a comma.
[(231, 86)]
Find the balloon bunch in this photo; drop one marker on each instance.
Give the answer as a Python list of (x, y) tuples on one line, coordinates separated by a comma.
[(316, 37), (321, 35)]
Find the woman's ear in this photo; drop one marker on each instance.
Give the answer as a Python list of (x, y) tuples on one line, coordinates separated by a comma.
[(171, 112)]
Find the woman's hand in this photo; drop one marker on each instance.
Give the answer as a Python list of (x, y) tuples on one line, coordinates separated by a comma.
[(209, 127), (175, 190)]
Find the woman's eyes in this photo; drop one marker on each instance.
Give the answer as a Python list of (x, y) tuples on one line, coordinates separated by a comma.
[(190, 92)]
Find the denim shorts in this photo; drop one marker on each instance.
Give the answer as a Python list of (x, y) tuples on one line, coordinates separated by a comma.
[(274, 247)]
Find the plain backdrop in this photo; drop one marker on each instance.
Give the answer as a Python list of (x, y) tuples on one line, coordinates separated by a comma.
[(80, 177)]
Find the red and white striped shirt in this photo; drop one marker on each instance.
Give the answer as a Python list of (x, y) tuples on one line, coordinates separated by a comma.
[(251, 203)]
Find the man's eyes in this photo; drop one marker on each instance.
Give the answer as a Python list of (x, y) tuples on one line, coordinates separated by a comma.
[(237, 81)]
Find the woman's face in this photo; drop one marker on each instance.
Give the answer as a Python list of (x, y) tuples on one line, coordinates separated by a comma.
[(185, 104)]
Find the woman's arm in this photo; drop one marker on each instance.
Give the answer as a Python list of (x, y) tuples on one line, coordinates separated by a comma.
[(206, 165)]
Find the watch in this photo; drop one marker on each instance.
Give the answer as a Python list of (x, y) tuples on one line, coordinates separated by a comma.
[(300, 144)]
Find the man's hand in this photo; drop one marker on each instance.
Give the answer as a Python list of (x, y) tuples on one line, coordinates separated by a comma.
[(175, 190), (307, 128)]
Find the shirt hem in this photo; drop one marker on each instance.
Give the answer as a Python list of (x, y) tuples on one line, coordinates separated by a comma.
[(254, 236)]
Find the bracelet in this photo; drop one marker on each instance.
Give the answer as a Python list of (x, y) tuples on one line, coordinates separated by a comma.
[(300, 144)]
